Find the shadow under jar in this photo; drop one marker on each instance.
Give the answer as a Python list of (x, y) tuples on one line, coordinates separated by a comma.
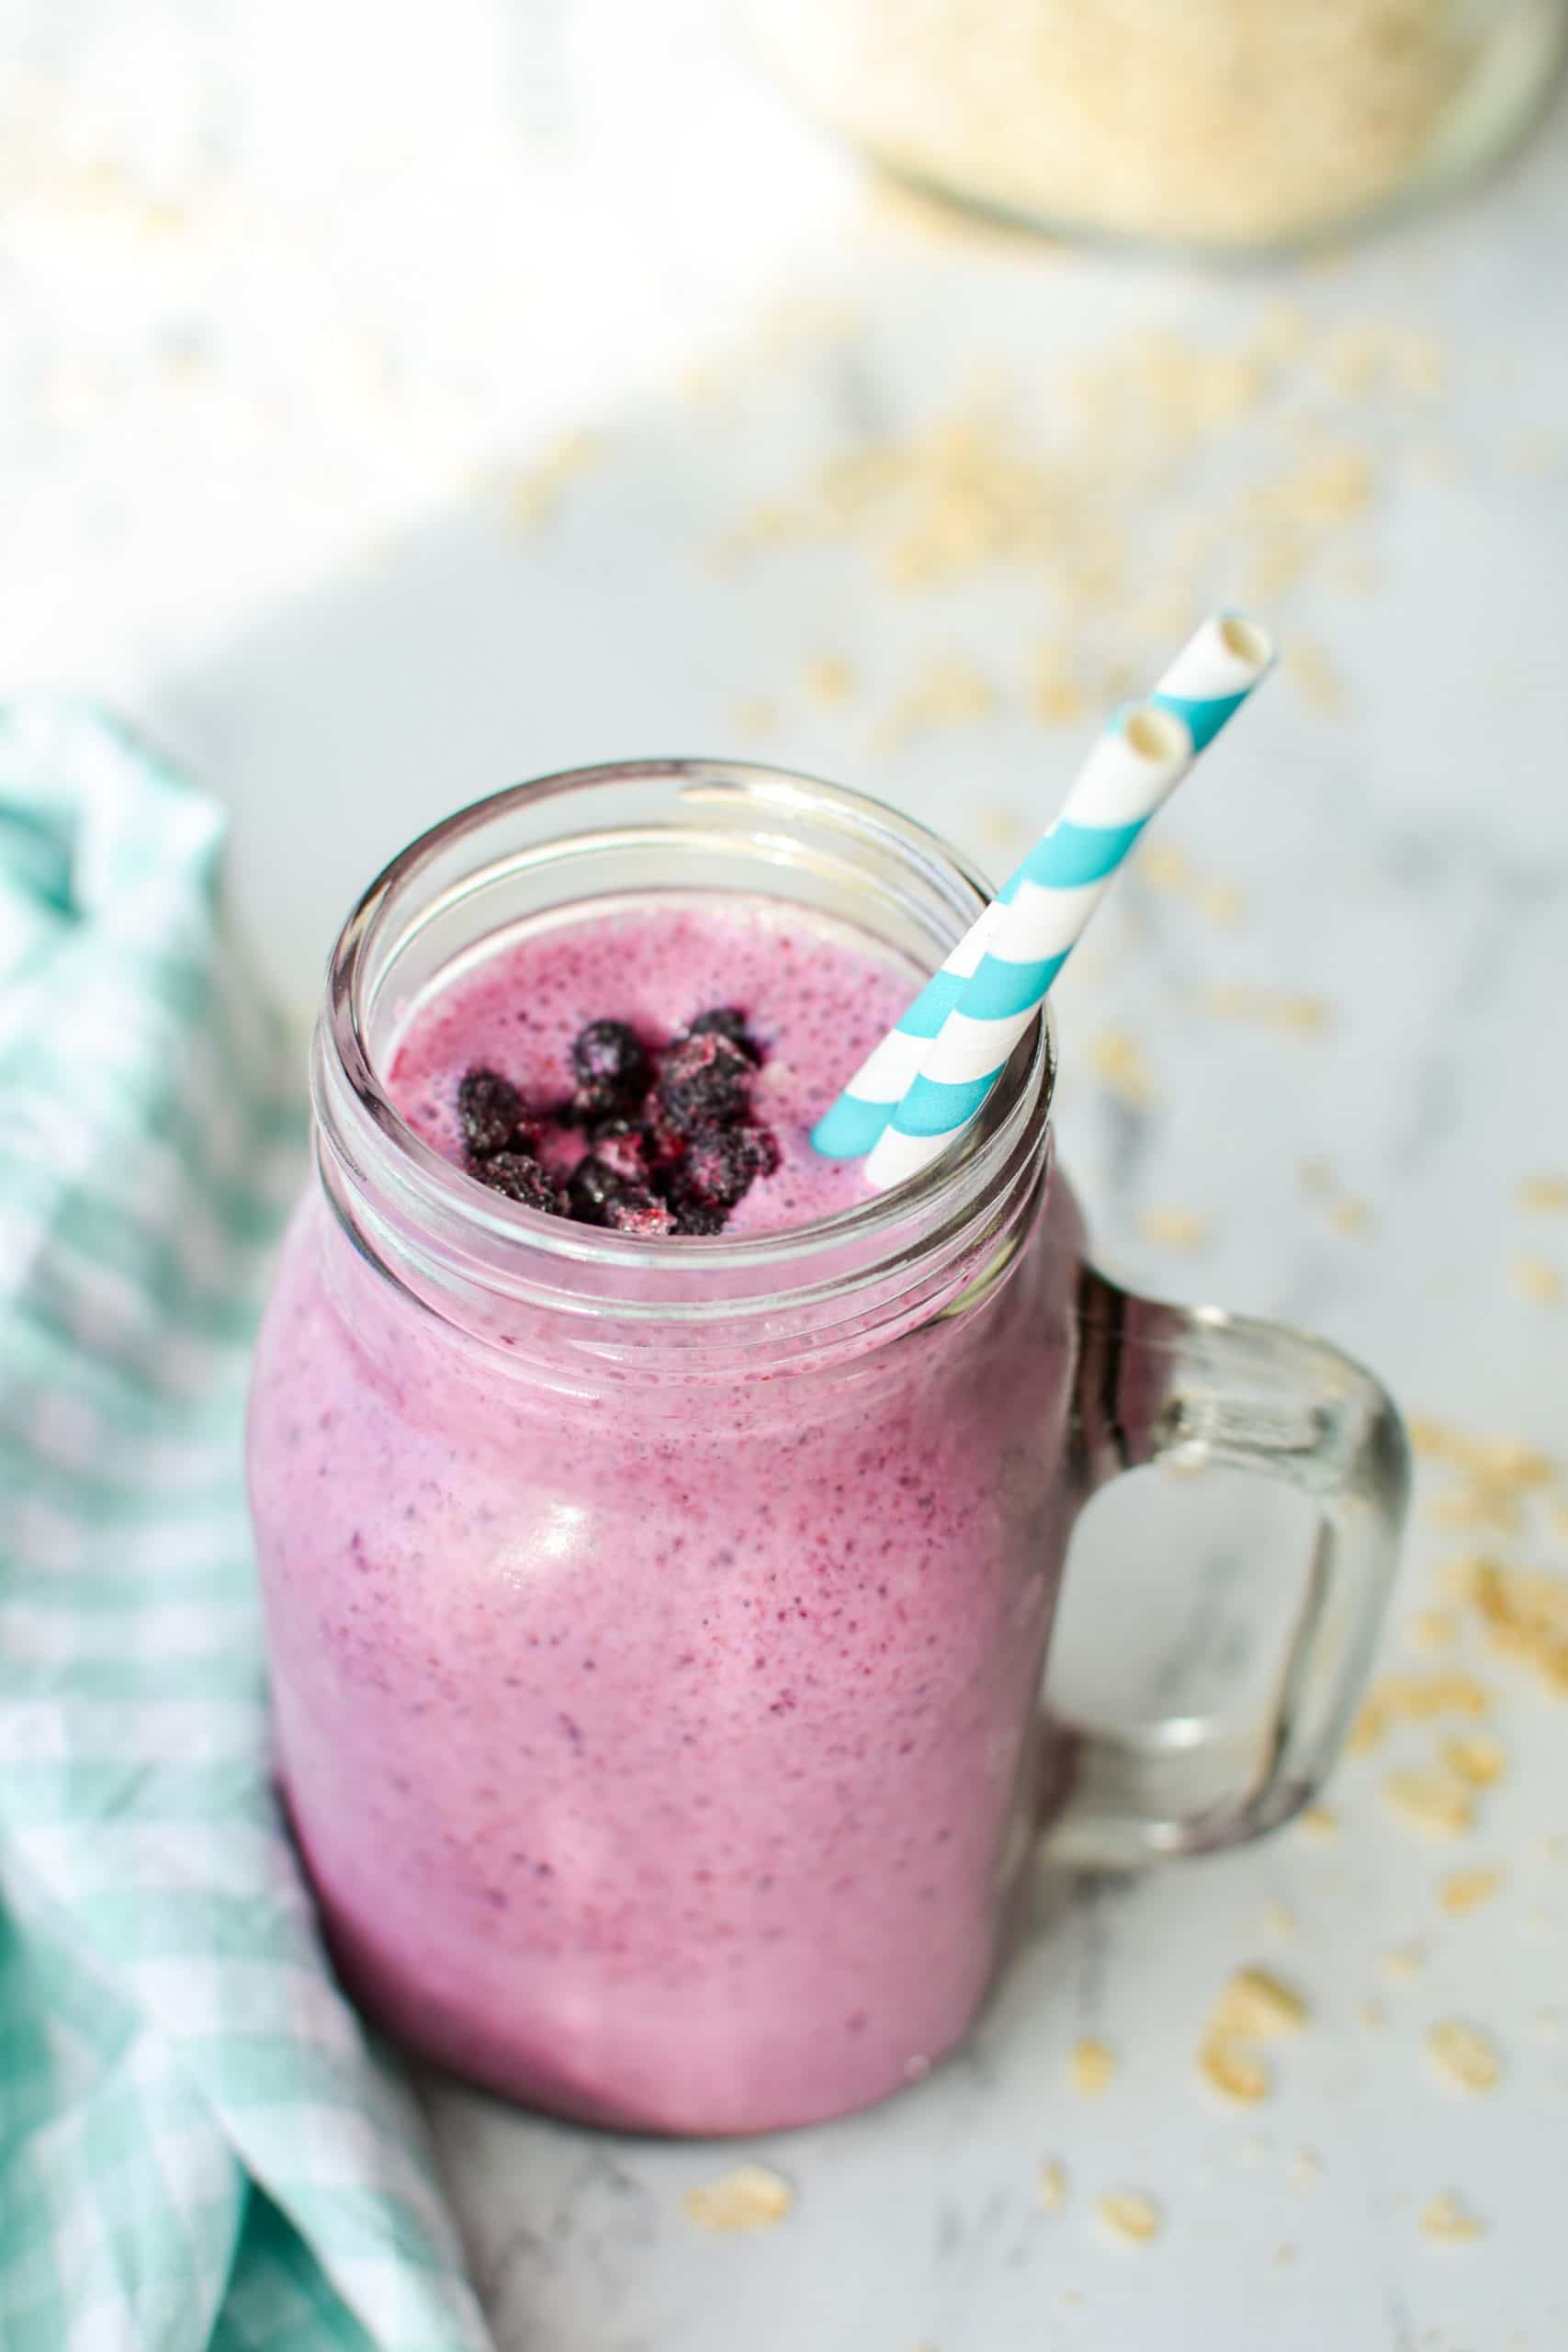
[(659, 1629), (1229, 124)]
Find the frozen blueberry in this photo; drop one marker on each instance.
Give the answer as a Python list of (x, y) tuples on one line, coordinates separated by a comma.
[(702, 1082), (726, 1020), (692, 1216), (625, 1148), (491, 1112), (520, 1176), (721, 1164), (663, 1146), (590, 1188), (636, 1212), (611, 1069)]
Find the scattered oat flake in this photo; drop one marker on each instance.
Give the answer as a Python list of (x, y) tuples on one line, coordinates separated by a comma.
[(1287, 1009), (1236, 2072), (1420, 1698), (1164, 865), (1289, 520), (999, 825), (1430, 1629), (789, 327), (1283, 2254), (1476, 1503), (1511, 1461), (1117, 1060), (1173, 1228), (1501, 1461), (1431, 1803), (1321, 689), (1477, 1758), (1305, 2168), (1058, 696), (1349, 358), (1464, 2056), (1417, 362), (1547, 2025), (1279, 1919), (1091, 2067), (754, 715), (1344, 1211), (1430, 1436), (747, 2199), (1359, 356), (1447, 2219), (1053, 2186), (952, 692), (829, 679), (1319, 1823), (1167, 867), (1524, 1613), (1414, 1699), (772, 523), (1536, 1280), (1329, 483), (1494, 1475), (1404, 1963), (533, 494), (1464, 1891), (1129, 2216), (1223, 904), (1257, 2005), (1547, 1196), (1371, 2015)]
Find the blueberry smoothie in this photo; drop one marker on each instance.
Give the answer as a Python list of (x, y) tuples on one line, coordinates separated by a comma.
[(659, 1735)]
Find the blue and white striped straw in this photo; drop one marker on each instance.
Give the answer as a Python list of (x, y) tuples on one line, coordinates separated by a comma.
[(1142, 755), (1205, 686), (849, 1130)]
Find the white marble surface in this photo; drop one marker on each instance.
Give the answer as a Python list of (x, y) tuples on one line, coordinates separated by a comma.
[(287, 300)]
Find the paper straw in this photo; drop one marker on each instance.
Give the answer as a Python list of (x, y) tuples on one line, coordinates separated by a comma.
[(1214, 673), (1143, 754), (849, 1130), (1205, 686)]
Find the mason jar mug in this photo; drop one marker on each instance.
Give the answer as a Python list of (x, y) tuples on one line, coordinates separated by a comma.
[(658, 1628)]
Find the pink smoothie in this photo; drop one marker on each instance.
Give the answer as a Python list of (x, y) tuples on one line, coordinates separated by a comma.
[(661, 1751), (815, 1003)]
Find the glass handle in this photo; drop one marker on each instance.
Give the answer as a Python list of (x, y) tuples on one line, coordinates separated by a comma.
[(1194, 1389)]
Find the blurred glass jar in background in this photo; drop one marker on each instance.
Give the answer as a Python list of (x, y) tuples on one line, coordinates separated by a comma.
[(1222, 123)]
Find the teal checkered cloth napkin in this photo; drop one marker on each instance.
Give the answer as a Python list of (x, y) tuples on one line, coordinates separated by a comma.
[(197, 2144)]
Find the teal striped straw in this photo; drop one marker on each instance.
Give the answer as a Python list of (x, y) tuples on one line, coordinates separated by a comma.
[(1203, 688), (1137, 763)]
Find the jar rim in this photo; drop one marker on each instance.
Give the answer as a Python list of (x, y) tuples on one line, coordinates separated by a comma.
[(355, 1109)]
